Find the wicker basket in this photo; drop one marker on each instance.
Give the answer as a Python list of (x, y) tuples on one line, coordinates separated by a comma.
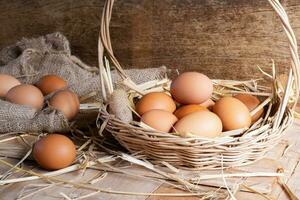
[(202, 153)]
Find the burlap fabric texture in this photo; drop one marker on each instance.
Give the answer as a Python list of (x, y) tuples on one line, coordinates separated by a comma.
[(30, 59)]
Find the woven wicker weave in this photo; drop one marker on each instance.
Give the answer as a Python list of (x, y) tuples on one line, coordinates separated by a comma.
[(202, 153)]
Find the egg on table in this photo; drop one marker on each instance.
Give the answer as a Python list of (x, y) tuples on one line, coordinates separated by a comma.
[(6, 83), (66, 102), (159, 119), (191, 88), (233, 113), (251, 102), (51, 83), (188, 109), (54, 151), (201, 123), (26, 95), (155, 100)]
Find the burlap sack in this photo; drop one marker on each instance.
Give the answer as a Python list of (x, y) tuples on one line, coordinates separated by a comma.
[(18, 118), (119, 105), (30, 59)]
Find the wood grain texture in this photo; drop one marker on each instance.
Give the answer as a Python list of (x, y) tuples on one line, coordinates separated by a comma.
[(52, 191), (224, 39)]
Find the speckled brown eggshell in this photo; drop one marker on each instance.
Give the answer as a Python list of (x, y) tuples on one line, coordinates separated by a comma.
[(251, 102), (54, 151), (67, 102), (201, 123), (26, 95), (51, 83), (155, 101), (233, 113), (6, 83), (191, 88), (159, 119)]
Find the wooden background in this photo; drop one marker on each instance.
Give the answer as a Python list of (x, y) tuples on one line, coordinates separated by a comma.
[(222, 38)]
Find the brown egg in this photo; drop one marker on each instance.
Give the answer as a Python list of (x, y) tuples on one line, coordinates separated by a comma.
[(251, 102), (155, 100), (188, 109), (201, 123), (159, 119), (208, 104), (233, 113), (6, 83), (54, 151), (26, 95), (51, 83), (191, 88), (67, 102)]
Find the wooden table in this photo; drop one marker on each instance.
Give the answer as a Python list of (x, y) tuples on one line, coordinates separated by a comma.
[(285, 155)]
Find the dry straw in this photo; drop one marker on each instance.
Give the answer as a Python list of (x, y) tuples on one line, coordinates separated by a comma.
[(235, 148), (91, 156)]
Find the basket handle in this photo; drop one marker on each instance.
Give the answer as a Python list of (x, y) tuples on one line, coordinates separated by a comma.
[(293, 46), (104, 43)]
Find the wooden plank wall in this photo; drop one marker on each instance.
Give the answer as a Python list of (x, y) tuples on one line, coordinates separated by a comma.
[(222, 38)]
